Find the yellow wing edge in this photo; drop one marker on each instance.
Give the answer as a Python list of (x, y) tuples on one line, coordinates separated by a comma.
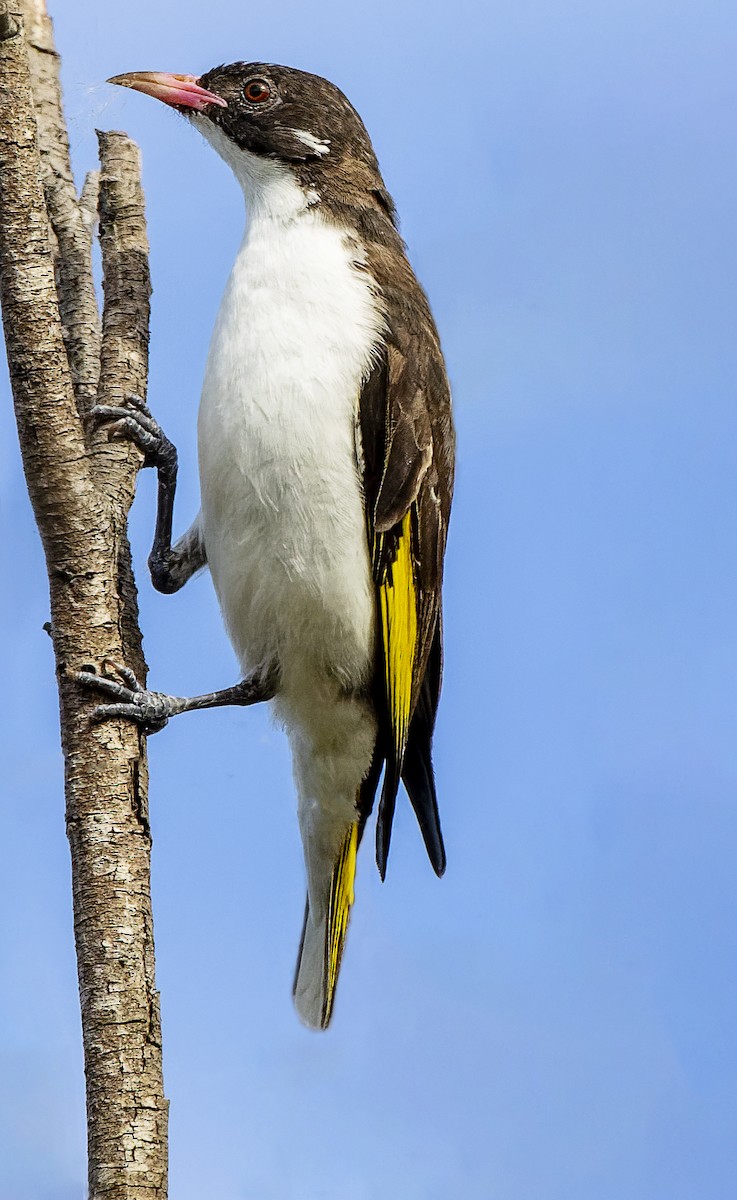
[(398, 611)]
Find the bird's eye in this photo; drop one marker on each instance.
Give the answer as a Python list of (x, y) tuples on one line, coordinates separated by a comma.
[(257, 90)]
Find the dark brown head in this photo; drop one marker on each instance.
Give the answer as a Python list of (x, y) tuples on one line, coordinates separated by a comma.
[(271, 111), (278, 112), (270, 122)]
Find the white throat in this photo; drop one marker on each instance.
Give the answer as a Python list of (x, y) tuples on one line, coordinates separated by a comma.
[(270, 188)]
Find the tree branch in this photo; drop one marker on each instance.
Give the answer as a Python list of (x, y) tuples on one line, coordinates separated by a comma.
[(81, 497), (73, 247), (123, 353)]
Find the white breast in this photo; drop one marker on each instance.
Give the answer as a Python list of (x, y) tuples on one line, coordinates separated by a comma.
[(282, 506)]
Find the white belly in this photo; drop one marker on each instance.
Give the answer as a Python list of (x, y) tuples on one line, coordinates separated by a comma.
[(282, 505)]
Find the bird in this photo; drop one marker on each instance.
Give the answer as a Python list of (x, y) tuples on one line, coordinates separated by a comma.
[(326, 458)]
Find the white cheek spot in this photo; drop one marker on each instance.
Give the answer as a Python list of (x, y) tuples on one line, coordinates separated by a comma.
[(317, 145)]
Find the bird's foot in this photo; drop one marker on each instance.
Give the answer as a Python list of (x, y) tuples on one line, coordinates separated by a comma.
[(151, 710), (134, 422)]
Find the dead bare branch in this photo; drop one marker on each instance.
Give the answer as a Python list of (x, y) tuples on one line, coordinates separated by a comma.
[(81, 495)]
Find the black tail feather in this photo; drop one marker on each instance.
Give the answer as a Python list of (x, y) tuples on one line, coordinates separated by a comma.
[(419, 779), (417, 773), (385, 816)]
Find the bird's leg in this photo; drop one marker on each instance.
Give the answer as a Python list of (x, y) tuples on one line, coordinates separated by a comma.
[(170, 566), (152, 709)]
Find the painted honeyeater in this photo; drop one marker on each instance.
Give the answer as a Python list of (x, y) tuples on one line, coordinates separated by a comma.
[(326, 455)]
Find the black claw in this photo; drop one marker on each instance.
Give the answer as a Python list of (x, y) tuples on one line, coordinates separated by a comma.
[(128, 429), (106, 681), (136, 427), (150, 710), (125, 673), (103, 684), (137, 418), (137, 402), (134, 422), (132, 712)]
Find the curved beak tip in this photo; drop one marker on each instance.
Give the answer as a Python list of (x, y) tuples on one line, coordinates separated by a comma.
[(179, 91)]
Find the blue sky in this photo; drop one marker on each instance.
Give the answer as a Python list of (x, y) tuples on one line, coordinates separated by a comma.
[(555, 1018)]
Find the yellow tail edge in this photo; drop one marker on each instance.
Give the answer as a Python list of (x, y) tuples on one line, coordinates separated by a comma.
[(340, 902)]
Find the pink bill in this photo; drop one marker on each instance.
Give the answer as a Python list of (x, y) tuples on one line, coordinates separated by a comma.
[(181, 91)]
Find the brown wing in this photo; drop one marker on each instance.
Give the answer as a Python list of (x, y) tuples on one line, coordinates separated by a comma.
[(408, 448)]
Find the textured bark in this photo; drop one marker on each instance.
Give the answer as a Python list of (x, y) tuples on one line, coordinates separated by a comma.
[(72, 240), (81, 489)]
